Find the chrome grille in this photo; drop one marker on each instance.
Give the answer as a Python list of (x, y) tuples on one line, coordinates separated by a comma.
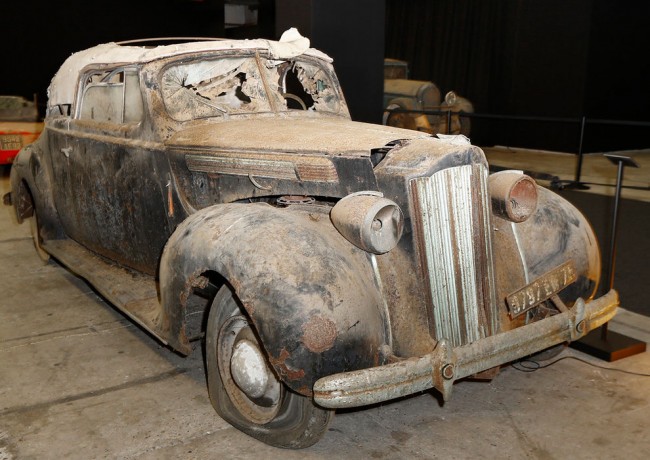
[(451, 221)]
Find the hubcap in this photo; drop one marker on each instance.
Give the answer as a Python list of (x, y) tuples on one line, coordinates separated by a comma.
[(250, 372), (245, 372)]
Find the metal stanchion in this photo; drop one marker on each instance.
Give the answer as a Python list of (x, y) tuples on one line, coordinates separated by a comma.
[(576, 184), (449, 121), (603, 343)]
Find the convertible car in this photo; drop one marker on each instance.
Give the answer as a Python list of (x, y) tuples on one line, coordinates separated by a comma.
[(345, 263)]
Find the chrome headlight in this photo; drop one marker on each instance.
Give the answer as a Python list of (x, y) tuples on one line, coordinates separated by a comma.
[(513, 194), (369, 221)]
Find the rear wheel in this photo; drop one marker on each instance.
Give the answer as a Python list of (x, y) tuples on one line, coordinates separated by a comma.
[(243, 387)]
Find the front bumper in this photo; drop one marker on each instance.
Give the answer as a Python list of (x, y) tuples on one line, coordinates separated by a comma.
[(444, 365)]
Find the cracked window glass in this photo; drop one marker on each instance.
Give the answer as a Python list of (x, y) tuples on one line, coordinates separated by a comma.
[(112, 96), (305, 86), (212, 88), (237, 85)]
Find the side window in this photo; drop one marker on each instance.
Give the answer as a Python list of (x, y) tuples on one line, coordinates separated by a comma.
[(112, 96)]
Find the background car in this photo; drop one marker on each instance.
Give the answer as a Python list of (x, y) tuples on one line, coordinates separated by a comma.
[(402, 93), (19, 126)]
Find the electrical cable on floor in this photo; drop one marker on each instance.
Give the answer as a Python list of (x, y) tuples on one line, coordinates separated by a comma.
[(530, 365)]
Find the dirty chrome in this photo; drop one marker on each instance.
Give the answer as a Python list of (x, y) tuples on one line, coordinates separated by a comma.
[(249, 381), (456, 251), (440, 368)]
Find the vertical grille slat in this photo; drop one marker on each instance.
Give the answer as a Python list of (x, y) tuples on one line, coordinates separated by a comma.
[(451, 222)]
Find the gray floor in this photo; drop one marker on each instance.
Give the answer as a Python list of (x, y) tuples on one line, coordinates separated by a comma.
[(78, 380)]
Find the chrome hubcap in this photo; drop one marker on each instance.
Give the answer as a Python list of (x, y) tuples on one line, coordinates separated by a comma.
[(246, 374)]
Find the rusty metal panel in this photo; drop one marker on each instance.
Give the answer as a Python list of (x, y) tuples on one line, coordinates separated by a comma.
[(455, 247)]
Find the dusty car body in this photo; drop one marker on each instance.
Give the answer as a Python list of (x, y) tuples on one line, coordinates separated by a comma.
[(348, 263), (402, 93), (19, 126)]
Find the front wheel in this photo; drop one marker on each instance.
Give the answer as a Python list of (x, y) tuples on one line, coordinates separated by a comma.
[(243, 387)]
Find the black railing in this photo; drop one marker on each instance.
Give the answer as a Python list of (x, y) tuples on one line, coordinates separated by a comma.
[(582, 122)]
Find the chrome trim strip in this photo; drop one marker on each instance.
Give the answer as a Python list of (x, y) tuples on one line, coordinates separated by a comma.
[(521, 252), (272, 169), (386, 312), (271, 166)]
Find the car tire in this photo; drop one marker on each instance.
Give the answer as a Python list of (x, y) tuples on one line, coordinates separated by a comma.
[(36, 237), (271, 413)]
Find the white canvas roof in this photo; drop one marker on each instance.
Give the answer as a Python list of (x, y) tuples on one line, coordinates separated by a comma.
[(63, 86)]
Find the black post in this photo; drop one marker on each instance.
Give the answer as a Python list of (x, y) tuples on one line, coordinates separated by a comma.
[(582, 137), (608, 345), (449, 121), (575, 184), (611, 265)]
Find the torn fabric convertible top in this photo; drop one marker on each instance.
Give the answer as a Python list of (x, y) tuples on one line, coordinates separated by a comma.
[(63, 86)]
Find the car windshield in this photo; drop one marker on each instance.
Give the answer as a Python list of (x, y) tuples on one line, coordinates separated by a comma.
[(224, 86)]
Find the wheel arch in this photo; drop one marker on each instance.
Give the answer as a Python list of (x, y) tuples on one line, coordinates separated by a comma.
[(31, 188), (310, 294)]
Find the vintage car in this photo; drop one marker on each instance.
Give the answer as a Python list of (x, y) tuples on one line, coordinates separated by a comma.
[(402, 94), (19, 126), (346, 263)]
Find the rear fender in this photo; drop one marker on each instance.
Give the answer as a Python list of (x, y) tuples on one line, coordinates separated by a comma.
[(311, 295)]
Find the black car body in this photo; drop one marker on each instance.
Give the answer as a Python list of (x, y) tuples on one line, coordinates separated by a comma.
[(352, 263)]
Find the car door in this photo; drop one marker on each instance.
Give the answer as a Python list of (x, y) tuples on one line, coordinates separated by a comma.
[(111, 183)]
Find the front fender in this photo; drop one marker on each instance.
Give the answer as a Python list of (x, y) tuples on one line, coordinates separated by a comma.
[(311, 295), (554, 234)]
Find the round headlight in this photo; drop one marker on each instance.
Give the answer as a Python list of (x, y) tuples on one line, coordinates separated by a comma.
[(369, 221), (513, 194)]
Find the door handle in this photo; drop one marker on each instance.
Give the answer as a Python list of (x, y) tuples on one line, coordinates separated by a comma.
[(66, 151)]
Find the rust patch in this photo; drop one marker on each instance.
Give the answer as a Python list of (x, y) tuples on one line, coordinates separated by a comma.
[(319, 334), (200, 282), (305, 391), (279, 364)]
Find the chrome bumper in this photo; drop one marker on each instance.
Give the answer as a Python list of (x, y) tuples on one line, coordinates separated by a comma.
[(440, 368)]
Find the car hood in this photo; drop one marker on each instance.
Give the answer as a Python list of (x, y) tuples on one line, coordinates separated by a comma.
[(334, 136)]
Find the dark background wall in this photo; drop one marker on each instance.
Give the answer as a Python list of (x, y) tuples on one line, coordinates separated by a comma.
[(40, 35), (352, 32), (562, 58), (565, 58)]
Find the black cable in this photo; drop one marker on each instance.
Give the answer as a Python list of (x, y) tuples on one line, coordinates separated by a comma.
[(529, 365)]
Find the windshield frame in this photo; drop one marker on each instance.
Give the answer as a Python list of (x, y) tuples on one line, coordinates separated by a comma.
[(275, 103)]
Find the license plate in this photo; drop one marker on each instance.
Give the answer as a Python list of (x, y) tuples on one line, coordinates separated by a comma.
[(541, 289), (9, 142)]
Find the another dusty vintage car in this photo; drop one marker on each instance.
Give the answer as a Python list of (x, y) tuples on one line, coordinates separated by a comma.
[(19, 126), (401, 93), (347, 263)]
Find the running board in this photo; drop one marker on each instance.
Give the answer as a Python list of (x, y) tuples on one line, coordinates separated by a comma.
[(133, 293)]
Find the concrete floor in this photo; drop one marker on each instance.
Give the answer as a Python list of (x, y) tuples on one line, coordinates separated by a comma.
[(596, 170), (78, 380)]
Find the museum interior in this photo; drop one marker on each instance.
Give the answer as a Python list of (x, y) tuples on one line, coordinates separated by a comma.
[(117, 316)]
